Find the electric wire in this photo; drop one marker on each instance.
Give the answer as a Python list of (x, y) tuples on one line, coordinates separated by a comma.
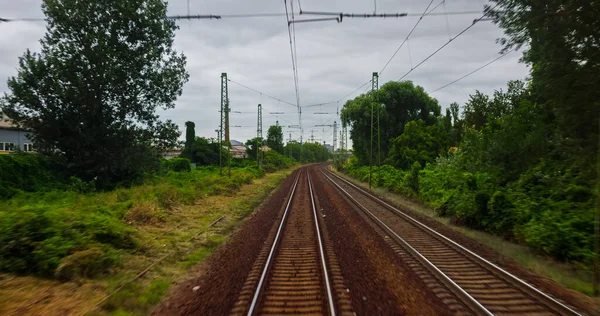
[(406, 38), (447, 21), (293, 62), (236, 16), (261, 93), (449, 41), (472, 72)]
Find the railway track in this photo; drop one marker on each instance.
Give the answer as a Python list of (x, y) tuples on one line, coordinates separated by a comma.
[(292, 275), (445, 266)]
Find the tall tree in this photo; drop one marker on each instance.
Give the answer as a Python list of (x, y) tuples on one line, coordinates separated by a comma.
[(190, 141), (90, 96), (563, 40), (398, 103), (275, 138)]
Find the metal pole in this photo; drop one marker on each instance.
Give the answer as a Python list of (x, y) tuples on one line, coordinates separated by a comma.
[(224, 118), (597, 221), (259, 137)]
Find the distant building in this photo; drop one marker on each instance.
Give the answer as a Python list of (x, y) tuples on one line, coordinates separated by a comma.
[(172, 153), (238, 150), (13, 138), (329, 147)]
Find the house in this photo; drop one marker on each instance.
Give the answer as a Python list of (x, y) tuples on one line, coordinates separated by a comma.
[(238, 150), (13, 138)]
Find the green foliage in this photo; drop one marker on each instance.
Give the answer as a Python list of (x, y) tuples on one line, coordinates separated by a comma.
[(190, 138), (36, 239), (307, 152), (563, 58), (418, 143), (29, 173), (275, 138), (90, 96), (272, 161), (179, 165), (201, 150), (252, 145), (398, 104), (413, 178), (514, 175), (71, 234)]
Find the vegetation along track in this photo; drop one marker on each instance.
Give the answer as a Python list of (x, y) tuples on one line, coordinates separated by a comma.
[(291, 275), (481, 285)]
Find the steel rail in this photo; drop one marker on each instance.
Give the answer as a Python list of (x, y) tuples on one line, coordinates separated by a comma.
[(465, 297), (540, 296), (273, 247), (327, 284)]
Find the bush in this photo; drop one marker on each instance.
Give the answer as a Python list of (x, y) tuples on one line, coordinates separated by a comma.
[(180, 165), (29, 173), (35, 240)]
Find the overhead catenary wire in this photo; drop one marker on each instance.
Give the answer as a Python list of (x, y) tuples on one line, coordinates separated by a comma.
[(259, 92), (406, 38), (292, 28), (254, 15), (472, 72), (449, 41)]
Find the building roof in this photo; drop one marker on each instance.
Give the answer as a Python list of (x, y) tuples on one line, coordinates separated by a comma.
[(4, 123), (235, 143)]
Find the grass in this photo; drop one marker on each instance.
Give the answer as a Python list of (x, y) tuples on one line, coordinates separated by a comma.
[(170, 217), (571, 276)]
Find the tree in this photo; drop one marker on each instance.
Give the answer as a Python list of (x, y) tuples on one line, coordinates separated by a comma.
[(90, 96), (398, 103), (476, 110), (190, 141), (275, 138), (251, 147), (419, 143), (563, 39)]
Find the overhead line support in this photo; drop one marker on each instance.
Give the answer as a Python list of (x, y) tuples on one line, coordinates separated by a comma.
[(224, 127), (259, 135), (375, 132)]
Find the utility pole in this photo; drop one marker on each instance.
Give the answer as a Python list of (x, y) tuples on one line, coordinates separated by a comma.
[(374, 130), (224, 128), (379, 182), (597, 222), (259, 138), (334, 140)]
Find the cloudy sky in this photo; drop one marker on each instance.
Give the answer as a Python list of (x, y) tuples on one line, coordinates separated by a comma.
[(333, 58)]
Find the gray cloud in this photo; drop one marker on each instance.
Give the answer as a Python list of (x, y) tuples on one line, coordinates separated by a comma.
[(333, 58)]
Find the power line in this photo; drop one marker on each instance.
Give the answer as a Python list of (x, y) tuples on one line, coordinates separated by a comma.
[(449, 41), (250, 15), (407, 36), (259, 92), (364, 84), (294, 58), (472, 72)]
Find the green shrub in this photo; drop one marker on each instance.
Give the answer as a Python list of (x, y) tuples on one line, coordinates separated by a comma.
[(34, 240), (413, 177), (29, 173), (180, 165)]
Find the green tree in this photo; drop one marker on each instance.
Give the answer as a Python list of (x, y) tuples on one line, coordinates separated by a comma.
[(251, 146), (190, 141), (419, 143), (90, 96), (476, 110), (563, 39), (275, 138), (399, 103)]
